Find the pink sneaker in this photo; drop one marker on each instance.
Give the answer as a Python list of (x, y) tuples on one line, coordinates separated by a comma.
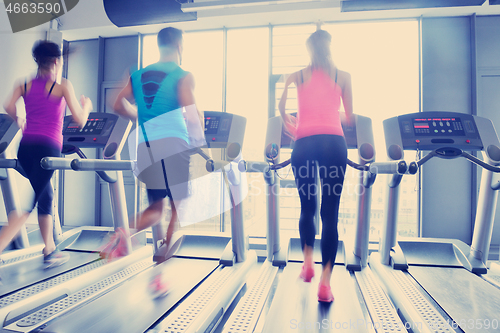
[(325, 294), (307, 273), (105, 250), (116, 247), (121, 248), (157, 286)]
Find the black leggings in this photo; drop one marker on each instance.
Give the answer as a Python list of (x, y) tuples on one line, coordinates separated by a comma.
[(328, 154), (29, 156)]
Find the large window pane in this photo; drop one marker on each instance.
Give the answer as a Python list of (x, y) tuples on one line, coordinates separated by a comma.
[(382, 58), (247, 95), (203, 57)]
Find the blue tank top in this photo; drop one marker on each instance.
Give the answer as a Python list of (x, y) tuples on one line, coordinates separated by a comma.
[(155, 92)]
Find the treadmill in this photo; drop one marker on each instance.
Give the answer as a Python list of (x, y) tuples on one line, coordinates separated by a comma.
[(10, 136), (360, 303), (23, 266), (26, 285), (206, 272), (436, 283)]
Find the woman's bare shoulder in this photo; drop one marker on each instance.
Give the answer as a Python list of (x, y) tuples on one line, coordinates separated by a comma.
[(301, 75), (343, 74), (343, 78)]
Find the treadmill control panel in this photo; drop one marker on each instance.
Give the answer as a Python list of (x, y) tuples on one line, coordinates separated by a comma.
[(94, 134), (94, 126), (432, 130), (222, 128), (214, 125)]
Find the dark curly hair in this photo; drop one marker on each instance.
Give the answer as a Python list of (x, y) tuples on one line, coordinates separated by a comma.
[(45, 53)]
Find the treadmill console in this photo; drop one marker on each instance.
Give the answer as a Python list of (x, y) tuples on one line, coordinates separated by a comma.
[(95, 134), (92, 127), (102, 130), (432, 130), (222, 128)]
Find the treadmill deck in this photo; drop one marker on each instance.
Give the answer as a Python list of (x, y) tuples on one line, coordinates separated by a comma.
[(130, 307), (295, 306), (473, 303)]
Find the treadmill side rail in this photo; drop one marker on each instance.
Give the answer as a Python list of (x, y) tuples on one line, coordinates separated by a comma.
[(403, 293), (398, 259), (228, 257), (247, 312), (207, 304), (18, 310)]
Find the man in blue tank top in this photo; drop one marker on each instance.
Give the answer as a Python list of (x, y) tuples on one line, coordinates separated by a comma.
[(169, 126)]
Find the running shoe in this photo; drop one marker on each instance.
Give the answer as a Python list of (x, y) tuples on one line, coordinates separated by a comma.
[(157, 286), (55, 259), (116, 247), (106, 249), (121, 248), (307, 273), (325, 294)]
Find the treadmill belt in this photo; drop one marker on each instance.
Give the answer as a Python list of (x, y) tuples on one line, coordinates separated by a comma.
[(131, 307), (295, 307), (28, 272), (471, 302), (90, 240)]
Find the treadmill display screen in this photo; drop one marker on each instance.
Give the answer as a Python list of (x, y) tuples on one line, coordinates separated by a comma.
[(93, 126), (438, 127), (211, 125)]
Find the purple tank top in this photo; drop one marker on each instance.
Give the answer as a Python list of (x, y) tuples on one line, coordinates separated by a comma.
[(44, 115)]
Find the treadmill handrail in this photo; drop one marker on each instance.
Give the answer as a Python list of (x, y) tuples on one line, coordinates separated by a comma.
[(392, 167), (56, 163), (213, 165), (101, 165), (280, 165), (477, 161), (61, 163), (88, 164), (8, 163), (254, 166), (106, 176), (471, 158)]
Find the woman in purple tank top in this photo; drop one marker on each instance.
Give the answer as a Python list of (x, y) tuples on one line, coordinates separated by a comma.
[(45, 100), (319, 148)]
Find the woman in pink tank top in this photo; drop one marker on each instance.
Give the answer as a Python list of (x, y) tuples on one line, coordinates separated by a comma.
[(319, 148), (45, 102)]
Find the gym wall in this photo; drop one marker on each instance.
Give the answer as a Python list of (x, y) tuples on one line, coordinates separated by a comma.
[(460, 72), (96, 70)]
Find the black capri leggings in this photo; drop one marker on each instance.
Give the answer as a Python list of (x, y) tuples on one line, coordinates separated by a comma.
[(29, 156), (328, 154)]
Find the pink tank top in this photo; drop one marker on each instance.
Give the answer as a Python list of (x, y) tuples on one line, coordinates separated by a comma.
[(319, 104), (44, 114)]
